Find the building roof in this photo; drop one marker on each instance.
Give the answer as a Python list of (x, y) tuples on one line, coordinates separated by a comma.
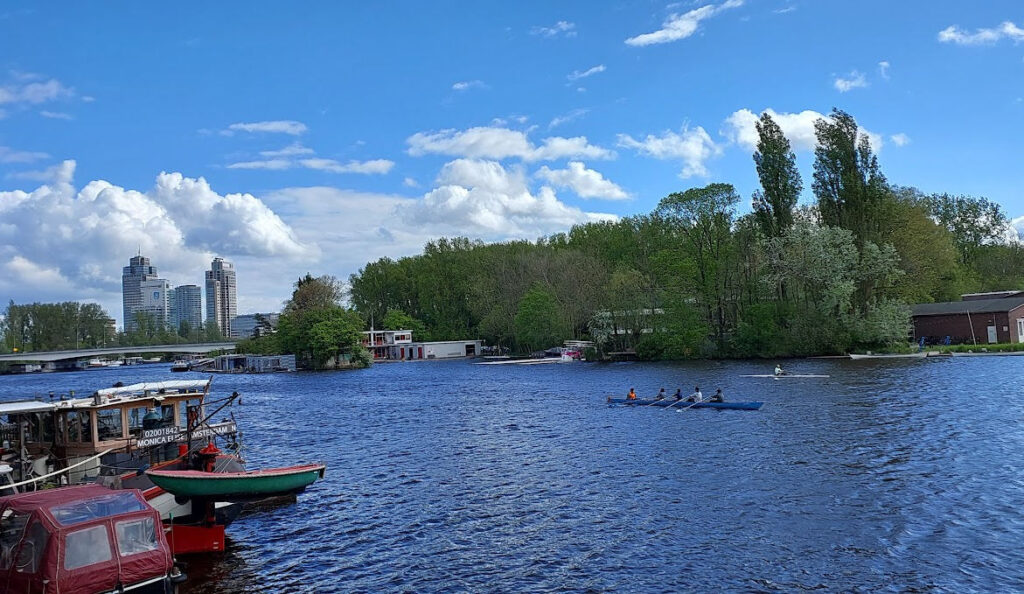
[(992, 295), (976, 306)]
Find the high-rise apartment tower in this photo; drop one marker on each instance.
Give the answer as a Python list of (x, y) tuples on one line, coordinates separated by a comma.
[(221, 304), (137, 271)]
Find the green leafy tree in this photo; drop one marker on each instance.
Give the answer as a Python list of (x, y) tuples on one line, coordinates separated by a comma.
[(780, 179), (974, 222), (539, 321), (397, 319), (848, 183), (316, 329), (703, 217)]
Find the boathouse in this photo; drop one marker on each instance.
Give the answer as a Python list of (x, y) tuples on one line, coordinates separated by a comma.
[(980, 318), (398, 345), (251, 364)]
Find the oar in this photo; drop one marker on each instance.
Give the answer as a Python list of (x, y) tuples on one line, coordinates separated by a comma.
[(675, 403), (655, 401), (693, 404)]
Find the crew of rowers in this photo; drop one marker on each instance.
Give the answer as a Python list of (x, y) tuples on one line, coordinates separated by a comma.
[(697, 396)]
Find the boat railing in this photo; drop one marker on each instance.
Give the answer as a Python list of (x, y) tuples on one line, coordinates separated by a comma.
[(43, 477)]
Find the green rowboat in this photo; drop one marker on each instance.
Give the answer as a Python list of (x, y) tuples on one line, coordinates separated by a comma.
[(227, 486)]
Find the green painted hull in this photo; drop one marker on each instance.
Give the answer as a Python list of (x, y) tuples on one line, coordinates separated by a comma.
[(255, 484)]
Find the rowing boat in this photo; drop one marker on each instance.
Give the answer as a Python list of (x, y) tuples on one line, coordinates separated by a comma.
[(665, 402), (250, 484), (785, 375), (919, 355)]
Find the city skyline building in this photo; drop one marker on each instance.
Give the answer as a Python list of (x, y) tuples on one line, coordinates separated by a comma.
[(139, 269), (187, 306), (156, 301), (221, 300)]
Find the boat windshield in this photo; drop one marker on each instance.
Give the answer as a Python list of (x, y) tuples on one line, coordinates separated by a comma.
[(77, 512)]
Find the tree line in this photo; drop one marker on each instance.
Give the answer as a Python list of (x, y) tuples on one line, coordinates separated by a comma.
[(73, 325), (693, 278)]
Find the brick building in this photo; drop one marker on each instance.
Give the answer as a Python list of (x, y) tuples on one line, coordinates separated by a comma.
[(981, 318)]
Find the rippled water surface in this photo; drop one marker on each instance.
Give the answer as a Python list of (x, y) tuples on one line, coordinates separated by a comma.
[(453, 477)]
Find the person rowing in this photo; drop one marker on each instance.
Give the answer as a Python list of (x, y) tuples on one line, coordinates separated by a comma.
[(779, 370), (696, 396), (631, 395), (661, 395), (678, 395), (718, 396)]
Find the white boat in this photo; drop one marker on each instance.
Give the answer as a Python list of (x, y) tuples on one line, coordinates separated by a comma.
[(858, 356), (787, 375), (544, 361)]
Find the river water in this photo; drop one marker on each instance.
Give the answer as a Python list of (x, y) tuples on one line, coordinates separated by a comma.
[(891, 475)]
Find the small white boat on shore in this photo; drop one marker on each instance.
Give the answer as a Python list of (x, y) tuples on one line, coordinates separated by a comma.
[(920, 355)]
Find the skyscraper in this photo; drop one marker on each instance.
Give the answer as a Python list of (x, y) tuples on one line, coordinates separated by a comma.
[(221, 305), (137, 271), (156, 301), (187, 307)]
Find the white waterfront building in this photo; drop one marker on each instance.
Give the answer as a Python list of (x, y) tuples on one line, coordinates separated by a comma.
[(398, 345)]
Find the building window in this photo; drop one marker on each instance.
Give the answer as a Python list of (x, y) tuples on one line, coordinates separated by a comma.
[(109, 425)]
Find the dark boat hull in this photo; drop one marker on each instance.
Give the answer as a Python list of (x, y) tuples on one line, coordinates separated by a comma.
[(667, 402)]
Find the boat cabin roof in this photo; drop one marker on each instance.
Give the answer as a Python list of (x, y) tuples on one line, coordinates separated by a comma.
[(108, 397)]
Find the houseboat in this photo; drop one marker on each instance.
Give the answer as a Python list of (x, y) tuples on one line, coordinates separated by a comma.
[(113, 437)]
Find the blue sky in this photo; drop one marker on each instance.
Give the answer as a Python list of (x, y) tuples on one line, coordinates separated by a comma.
[(319, 139)]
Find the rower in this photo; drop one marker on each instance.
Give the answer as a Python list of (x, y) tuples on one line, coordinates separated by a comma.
[(718, 396), (678, 395), (696, 396), (661, 395), (779, 370), (631, 395)]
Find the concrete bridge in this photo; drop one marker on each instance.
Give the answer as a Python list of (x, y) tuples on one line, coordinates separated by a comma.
[(50, 356)]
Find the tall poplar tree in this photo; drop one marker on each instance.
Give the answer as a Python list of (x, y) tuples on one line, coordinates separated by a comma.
[(780, 179), (848, 183)]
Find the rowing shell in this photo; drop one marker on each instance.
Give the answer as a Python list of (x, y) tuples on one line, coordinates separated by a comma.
[(684, 405), (785, 375)]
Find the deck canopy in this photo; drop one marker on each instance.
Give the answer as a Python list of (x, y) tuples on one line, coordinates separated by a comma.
[(79, 540), (155, 387)]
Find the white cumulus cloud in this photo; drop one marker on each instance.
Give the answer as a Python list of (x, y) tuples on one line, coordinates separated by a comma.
[(681, 26), (502, 143), (694, 147), (586, 183), (290, 127), (62, 170), (56, 115), (1005, 30), (482, 198), (900, 139), (739, 128), (83, 237), (855, 80)]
